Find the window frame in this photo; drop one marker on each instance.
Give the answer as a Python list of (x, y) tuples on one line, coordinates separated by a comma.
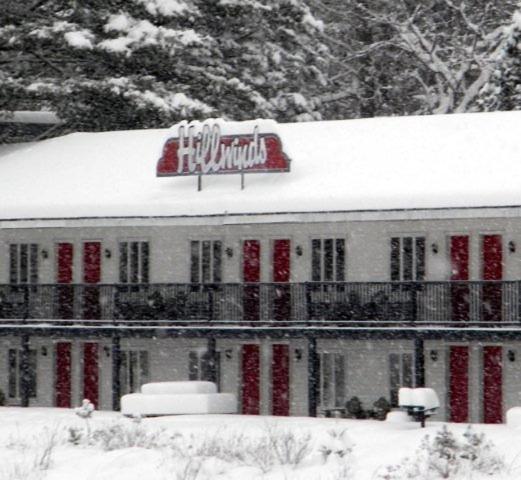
[(14, 373), (207, 270), (407, 258), (134, 261), (332, 266), (394, 387), (337, 399), (130, 381)]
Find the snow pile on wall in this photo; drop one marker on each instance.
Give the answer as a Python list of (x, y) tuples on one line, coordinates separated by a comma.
[(178, 398), (514, 417)]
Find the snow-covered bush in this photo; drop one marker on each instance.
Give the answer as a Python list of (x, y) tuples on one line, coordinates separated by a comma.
[(447, 457), (117, 436)]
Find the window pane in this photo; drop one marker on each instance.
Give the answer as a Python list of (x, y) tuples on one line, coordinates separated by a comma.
[(144, 262), (32, 374), (327, 380), (143, 368), (420, 259), (194, 262), (328, 260), (193, 366), (206, 262), (340, 260), (394, 377), (407, 258), (134, 256), (13, 263), (339, 380), (217, 261), (315, 260), (407, 362), (123, 373), (23, 263), (13, 373), (33, 278), (123, 262), (133, 371), (395, 259)]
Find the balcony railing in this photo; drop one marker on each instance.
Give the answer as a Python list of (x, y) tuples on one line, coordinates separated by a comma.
[(389, 302)]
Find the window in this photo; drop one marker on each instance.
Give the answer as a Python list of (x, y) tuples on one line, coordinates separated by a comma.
[(206, 261), (332, 382), (134, 370), (23, 263), (328, 260), (401, 374), (199, 366), (133, 262), (407, 259), (15, 373)]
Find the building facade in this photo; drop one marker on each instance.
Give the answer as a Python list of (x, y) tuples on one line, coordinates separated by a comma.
[(294, 311)]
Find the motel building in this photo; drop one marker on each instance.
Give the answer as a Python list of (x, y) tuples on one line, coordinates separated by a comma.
[(296, 265)]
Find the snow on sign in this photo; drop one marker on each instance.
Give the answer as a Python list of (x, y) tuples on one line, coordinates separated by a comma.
[(219, 147)]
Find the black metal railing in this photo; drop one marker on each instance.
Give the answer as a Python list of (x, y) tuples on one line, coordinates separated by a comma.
[(391, 302)]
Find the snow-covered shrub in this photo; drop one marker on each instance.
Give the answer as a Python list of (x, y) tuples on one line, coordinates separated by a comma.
[(117, 436), (335, 445), (381, 408), (354, 408), (85, 411), (447, 457), (2, 398)]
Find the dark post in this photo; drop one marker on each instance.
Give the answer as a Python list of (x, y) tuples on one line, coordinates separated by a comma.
[(116, 368), (312, 377), (25, 374), (419, 362)]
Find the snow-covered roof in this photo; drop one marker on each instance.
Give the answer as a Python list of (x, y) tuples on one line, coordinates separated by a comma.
[(465, 160)]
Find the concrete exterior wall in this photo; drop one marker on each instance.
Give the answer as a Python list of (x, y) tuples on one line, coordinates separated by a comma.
[(367, 244)]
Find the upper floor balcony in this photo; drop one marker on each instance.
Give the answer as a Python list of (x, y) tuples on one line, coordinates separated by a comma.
[(384, 303)]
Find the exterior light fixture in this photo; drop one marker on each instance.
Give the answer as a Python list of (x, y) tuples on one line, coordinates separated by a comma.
[(298, 250), (298, 354), (45, 254), (434, 355), (512, 246), (229, 252), (228, 353), (44, 351), (106, 349), (434, 248), (511, 355), (108, 253)]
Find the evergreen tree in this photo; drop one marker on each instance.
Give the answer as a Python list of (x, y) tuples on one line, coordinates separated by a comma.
[(503, 91), (117, 64)]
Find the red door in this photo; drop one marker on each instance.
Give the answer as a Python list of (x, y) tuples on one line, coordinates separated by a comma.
[(281, 276), (459, 256), (492, 249), (280, 380), (65, 297), (62, 385), (250, 379), (90, 372), (91, 275), (251, 275), (492, 385), (459, 384)]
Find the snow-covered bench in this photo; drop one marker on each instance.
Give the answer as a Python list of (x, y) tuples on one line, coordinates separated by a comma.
[(178, 398), (419, 403)]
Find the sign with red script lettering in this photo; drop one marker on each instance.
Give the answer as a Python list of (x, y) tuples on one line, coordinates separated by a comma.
[(220, 147)]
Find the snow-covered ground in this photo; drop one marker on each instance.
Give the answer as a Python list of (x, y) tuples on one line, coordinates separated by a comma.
[(56, 444)]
